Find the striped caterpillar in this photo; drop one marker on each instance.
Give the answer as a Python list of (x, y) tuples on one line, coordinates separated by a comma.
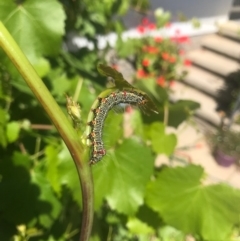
[(99, 113)]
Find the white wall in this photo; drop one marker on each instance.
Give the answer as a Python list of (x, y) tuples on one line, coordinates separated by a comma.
[(190, 8)]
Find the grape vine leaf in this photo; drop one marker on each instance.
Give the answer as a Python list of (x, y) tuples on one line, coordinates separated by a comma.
[(51, 154), (122, 84), (136, 226), (37, 26), (162, 142), (180, 111), (3, 121), (50, 208), (68, 175), (108, 71), (25, 194), (122, 175), (168, 233), (113, 122), (12, 131), (185, 203)]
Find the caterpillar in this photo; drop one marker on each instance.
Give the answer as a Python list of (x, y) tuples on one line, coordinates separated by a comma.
[(98, 114)]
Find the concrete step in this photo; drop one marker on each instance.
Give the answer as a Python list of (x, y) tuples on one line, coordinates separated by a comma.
[(222, 45), (213, 62), (230, 29), (203, 80), (207, 111)]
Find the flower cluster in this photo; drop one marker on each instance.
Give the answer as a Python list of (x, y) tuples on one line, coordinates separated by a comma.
[(145, 26), (159, 57)]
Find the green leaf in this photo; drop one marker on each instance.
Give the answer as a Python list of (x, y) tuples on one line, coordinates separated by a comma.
[(136, 226), (25, 195), (37, 26), (121, 83), (68, 175), (42, 67), (185, 203), (157, 93), (52, 208), (52, 172), (60, 82), (113, 129), (125, 170), (137, 124), (13, 130), (3, 121), (168, 233), (20, 159), (108, 71), (161, 142), (18, 196), (180, 111)]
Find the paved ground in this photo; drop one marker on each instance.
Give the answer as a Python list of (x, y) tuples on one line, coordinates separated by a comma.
[(199, 152)]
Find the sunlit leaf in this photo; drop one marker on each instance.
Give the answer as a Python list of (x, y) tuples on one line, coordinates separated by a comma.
[(121, 83), (52, 172), (3, 120), (12, 131), (68, 175), (162, 143), (136, 226), (51, 206), (108, 71), (37, 26), (184, 202), (122, 175)]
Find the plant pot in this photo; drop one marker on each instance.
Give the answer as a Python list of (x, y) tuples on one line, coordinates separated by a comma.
[(223, 159)]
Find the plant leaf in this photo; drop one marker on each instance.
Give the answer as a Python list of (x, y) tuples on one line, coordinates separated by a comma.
[(52, 172), (136, 226), (162, 142), (178, 195), (50, 211), (37, 26), (68, 175), (12, 132), (121, 84), (108, 71), (122, 175)]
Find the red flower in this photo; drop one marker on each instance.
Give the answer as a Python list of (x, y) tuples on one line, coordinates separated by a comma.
[(141, 73), (152, 26), (171, 83), (177, 31), (168, 25), (187, 62), (181, 39), (172, 59), (145, 21), (161, 80), (141, 29), (181, 52), (199, 145), (158, 39), (150, 49), (115, 66), (145, 62), (165, 56)]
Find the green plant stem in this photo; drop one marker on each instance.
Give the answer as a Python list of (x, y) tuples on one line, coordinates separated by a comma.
[(166, 113), (68, 134)]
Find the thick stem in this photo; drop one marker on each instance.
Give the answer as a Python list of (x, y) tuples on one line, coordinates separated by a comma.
[(60, 121)]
